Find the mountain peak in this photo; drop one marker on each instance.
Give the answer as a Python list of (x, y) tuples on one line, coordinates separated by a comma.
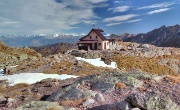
[(163, 26), (163, 36)]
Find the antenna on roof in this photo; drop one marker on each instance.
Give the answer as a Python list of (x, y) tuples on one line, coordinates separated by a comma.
[(93, 24)]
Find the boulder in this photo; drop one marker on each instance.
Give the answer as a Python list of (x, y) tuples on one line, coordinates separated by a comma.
[(152, 101), (131, 81), (99, 97), (123, 105), (88, 102), (41, 105), (134, 109), (71, 93), (144, 46), (103, 86)]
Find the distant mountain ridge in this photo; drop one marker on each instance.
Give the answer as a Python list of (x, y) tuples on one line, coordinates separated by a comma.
[(38, 40), (163, 37)]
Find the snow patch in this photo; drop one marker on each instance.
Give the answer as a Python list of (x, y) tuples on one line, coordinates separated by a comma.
[(97, 62), (13, 66), (31, 78), (1, 72)]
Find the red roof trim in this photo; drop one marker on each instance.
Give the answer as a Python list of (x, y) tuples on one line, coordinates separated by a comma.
[(86, 42)]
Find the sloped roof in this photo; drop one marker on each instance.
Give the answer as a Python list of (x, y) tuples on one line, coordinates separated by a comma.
[(99, 32)]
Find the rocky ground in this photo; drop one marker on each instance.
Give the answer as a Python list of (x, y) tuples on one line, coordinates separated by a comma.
[(111, 90), (15, 56), (14, 96), (147, 78)]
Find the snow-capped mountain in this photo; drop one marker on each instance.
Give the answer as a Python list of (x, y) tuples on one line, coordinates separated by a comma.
[(39, 40)]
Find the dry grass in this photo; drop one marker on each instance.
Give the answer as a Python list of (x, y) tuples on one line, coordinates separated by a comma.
[(88, 69), (120, 85), (13, 91), (65, 67), (142, 89), (54, 108), (16, 52), (124, 43), (174, 79), (145, 64), (72, 102)]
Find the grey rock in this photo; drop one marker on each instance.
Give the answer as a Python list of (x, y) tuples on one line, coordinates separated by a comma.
[(137, 100), (2, 98), (71, 109), (88, 102), (134, 109), (131, 81), (144, 46), (41, 105), (116, 106), (71, 93), (104, 87), (123, 105), (10, 102), (152, 101), (174, 64), (91, 93), (99, 97)]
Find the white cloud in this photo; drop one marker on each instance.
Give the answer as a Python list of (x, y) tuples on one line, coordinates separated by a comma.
[(118, 2), (119, 9), (136, 20), (120, 18), (158, 11), (90, 21), (94, 1), (158, 5), (129, 21), (47, 16), (112, 24)]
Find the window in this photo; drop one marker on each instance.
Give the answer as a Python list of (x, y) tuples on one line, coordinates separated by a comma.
[(96, 37), (90, 37), (99, 44)]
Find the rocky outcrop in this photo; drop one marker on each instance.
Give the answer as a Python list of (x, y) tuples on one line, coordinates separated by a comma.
[(42, 105), (142, 101), (20, 94), (106, 91), (152, 101), (55, 48), (102, 88), (85, 54), (6, 102), (15, 56)]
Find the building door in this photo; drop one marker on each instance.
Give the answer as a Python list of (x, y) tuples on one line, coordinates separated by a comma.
[(95, 46), (91, 47), (104, 45)]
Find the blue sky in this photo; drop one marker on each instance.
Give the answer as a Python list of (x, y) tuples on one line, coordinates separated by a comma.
[(79, 16)]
